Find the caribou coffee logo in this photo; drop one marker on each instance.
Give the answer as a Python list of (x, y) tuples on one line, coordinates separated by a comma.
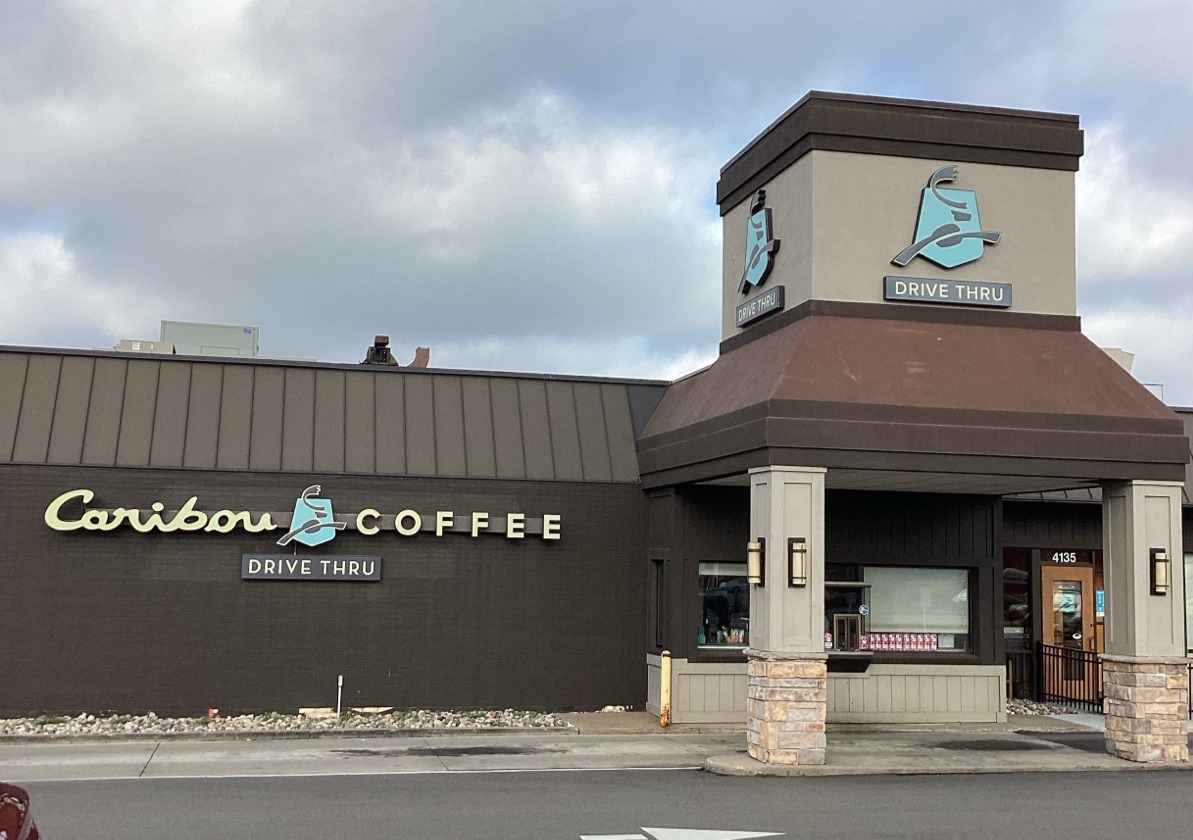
[(313, 522), (761, 246), (948, 231)]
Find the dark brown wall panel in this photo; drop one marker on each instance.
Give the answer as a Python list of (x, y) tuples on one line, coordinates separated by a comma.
[(536, 429), (12, 385), (329, 420), (104, 411), (449, 427), (391, 423), (359, 423), (594, 436), (565, 433), (455, 622), (1052, 525), (136, 417), (420, 425), (507, 429), (478, 429), (265, 447), (236, 418), (70, 410), (298, 423), (203, 417), (169, 421), (37, 409)]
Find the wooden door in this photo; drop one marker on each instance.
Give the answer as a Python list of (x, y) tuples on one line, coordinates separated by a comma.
[(1067, 607)]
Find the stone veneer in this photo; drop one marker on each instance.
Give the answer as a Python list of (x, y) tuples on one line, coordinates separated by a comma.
[(1147, 707), (787, 700)]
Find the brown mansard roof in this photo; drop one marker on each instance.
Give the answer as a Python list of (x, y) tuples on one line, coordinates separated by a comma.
[(865, 387)]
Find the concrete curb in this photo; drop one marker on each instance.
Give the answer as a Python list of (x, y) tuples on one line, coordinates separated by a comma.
[(276, 735), (741, 764)]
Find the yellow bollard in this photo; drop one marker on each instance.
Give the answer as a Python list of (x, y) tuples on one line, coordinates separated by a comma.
[(665, 690)]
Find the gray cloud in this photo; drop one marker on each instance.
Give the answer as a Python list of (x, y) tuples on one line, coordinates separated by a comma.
[(519, 184)]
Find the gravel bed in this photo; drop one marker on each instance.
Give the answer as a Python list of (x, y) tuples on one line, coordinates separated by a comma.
[(1035, 707), (151, 724)]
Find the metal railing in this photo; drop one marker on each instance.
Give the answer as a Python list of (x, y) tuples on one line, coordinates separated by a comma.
[(1071, 676)]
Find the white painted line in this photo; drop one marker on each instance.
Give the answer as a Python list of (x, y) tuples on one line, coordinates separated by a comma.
[(613, 837)]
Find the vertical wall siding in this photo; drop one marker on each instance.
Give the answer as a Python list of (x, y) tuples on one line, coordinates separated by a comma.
[(171, 413), (12, 386)]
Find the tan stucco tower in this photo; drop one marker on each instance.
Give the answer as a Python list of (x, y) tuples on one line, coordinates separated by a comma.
[(899, 317)]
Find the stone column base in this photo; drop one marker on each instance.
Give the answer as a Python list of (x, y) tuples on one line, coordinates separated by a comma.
[(1147, 707), (787, 702)]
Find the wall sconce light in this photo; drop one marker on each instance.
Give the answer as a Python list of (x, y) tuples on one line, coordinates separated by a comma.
[(1161, 571), (756, 561), (797, 561)]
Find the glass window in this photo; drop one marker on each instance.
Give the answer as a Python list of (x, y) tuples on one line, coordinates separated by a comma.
[(918, 609), (725, 600), (1189, 601), (846, 617), (1016, 595), (658, 602)]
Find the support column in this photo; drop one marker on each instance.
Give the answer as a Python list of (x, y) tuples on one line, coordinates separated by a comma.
[(787, 666), (1145, 672)]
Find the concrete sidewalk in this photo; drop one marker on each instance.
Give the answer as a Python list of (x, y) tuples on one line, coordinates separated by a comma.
[(598, 741), (1025, 743)]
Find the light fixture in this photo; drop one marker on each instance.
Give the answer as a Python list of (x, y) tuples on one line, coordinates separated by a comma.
[(797, 561), (756, 561), (1161, 571)]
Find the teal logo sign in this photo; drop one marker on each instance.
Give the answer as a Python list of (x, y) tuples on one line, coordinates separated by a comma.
[(948, 232), (313, 522), (761, 246)]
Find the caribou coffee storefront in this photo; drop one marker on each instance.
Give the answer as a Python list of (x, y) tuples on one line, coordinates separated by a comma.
[(843, 518)]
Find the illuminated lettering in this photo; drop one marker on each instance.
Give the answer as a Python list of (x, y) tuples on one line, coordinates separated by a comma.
[(480, 520), (443, 519), (515, 523), (414, 528), (367, 530), (551, 526)]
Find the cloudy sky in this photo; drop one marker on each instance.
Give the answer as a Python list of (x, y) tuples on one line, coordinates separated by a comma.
[(522, 185)]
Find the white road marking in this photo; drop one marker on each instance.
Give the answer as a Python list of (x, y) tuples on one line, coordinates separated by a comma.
[(705, 834)]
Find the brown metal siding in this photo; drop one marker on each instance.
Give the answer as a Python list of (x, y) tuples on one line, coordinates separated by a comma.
[(450, 457), (12, 387), (329, 421), (136, 418), (70, 412), (169, 420), (37, 409), (298, 425), (391, 424), (479, 447), (420, 426), (201, 445), (265, 439), (104, 410), (623, 456), (565, 435), (507, 429), (536, 429), (594, 437), (236, 418), (73, 408), (360, 424), (163, 622)]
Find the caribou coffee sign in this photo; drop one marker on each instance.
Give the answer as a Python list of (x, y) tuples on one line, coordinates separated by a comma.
[(761, 247), (312, 523), (949, 233)]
